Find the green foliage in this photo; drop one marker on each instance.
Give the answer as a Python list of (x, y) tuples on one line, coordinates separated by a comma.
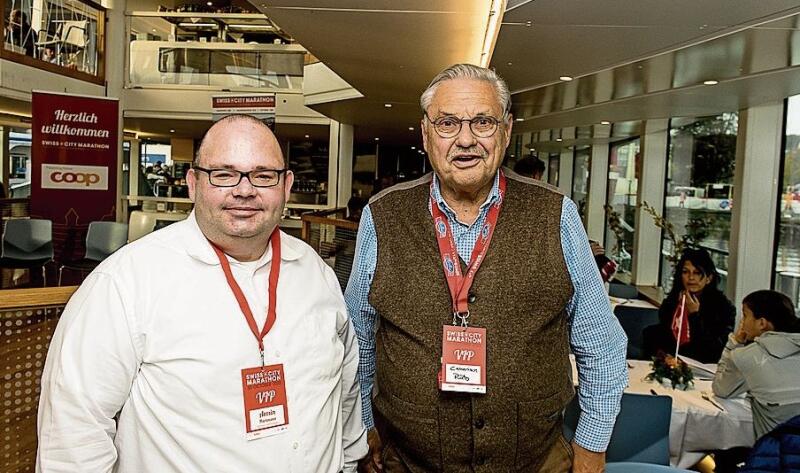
[(697, 230), (671, 368)]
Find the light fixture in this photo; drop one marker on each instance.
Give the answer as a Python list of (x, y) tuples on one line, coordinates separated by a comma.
[(387, 105), (306, 136), (532, 150), (196, 25), (411, 128), (520, 120), (413, 147), (565, 78), (155, 30), (238, 26), (605, 122), (377, 139), (710, 82), (490, 33), (513, 156), (510, 64), (559, 139), (172, 130), (209, 3)]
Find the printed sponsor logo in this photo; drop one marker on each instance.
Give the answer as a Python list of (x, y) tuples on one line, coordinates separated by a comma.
[(449, 266), (441, 228), (60, 176)]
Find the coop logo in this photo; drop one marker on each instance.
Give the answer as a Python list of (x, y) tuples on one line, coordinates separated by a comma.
[(58, 176)]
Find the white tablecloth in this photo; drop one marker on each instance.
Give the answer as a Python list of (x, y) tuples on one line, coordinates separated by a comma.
[(696, 426)]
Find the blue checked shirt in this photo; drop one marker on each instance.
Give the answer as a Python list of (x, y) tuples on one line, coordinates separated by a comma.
[(596, 338)]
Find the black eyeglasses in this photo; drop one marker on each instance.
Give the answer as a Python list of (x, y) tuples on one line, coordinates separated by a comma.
[(482, 126), (232, 177)]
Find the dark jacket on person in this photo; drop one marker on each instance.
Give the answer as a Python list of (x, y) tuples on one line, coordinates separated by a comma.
[(708, 329), (776, 452)]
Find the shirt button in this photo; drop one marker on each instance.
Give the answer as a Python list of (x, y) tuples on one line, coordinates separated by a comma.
[(295, 445), (480, 461), (479, 424), (471, 298)]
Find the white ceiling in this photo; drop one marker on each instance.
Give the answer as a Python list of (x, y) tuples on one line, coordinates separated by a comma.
[(632, 59)]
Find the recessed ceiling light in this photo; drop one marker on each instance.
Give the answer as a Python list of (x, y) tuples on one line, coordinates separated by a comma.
[(565, 78), (710, 82), (559, 139), (411, 128), (154, 30), (377, 139), (510, 64), (520, 120), (306, 136), (605, 122), (209, 3), (172, 130), (387, 105), (413, 147), (528, 23), (532, 150)]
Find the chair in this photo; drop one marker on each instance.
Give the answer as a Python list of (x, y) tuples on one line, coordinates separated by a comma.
[(633, 321), (71, 37), (102, 239), (27, 244), (624, 291), (641, 433), (633, 467)]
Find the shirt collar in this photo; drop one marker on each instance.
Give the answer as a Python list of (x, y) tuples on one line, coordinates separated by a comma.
[(494, 194), (198, 247)]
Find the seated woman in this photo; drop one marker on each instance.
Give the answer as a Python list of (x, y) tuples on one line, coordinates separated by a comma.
[(711, 315), (763, 359)]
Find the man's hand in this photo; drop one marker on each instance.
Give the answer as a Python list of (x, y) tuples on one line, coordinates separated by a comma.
[(372, 462), (587, 461)]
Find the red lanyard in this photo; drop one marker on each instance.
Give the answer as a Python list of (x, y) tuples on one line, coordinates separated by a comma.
[(457, 282), (275, 270)]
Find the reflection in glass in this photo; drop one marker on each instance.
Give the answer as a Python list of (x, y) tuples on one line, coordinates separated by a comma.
[(66, 33), (580, 179), (622, 185), (787, 262), (699, 190)]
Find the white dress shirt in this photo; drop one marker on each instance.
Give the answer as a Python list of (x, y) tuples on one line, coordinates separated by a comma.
[(155, 336)]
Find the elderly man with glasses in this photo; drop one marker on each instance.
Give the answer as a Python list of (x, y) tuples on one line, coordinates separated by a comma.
[(470, 286), (216, 344)]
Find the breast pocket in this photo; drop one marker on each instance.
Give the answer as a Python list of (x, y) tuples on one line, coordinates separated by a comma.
[(321, 346)]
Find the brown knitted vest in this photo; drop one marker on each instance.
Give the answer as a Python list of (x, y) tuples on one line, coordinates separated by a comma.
[(520, 294)]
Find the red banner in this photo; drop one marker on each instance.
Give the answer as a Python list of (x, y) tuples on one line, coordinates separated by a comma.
[(74, 165)]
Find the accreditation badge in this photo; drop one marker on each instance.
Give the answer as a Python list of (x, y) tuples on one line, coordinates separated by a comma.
[(463, 359), (265, 407)]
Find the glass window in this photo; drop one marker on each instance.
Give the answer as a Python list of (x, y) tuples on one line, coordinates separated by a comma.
[(65, 36), (306, 150), (621, 204), (699, 190), (553, 166), (19, 150), (787, 262), (580, 179)]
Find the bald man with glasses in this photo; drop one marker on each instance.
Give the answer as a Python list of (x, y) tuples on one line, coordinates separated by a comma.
[(216, 344)]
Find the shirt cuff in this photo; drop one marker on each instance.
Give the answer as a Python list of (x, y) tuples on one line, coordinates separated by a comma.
[(594, 434), (366, 415)]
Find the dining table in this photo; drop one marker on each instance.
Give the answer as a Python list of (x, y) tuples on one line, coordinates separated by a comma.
[(700, 422)]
